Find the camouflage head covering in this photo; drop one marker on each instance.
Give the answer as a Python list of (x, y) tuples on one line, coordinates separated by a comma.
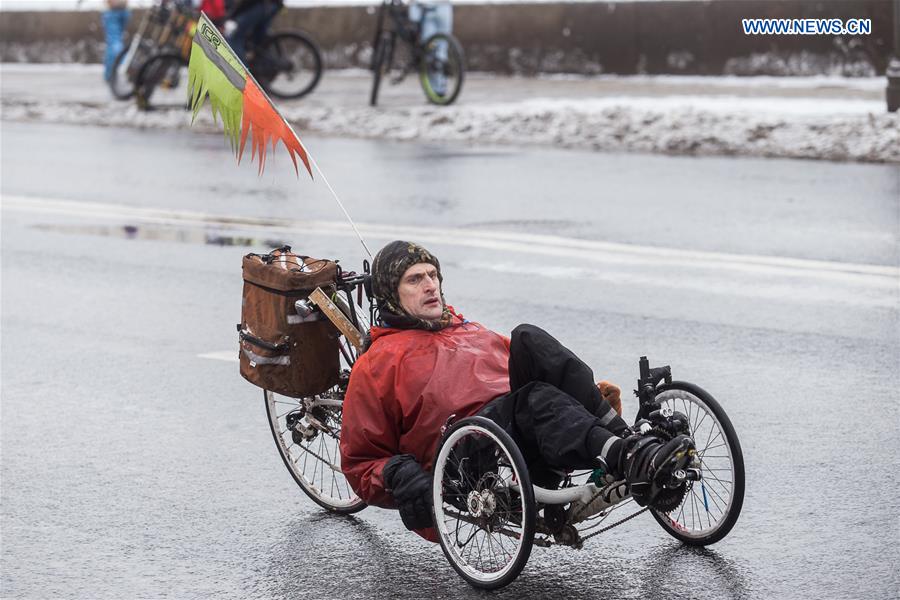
[(388, 267)]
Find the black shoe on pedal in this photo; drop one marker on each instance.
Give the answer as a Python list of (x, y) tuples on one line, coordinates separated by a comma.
[(649, 464)]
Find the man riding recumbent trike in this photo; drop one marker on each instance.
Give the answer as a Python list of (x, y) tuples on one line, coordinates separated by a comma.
[(486, 444)]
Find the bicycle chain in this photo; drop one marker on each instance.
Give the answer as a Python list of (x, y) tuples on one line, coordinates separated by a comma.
[(616, 524), (303, 448)]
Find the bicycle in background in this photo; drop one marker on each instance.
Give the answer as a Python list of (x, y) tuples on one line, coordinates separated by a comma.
[(287, 65), (153, 32), (438, 60)]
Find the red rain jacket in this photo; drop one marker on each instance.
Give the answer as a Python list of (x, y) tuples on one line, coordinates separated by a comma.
[(403, 389)]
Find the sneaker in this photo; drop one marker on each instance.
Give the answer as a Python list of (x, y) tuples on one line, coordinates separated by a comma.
[(649, 463)]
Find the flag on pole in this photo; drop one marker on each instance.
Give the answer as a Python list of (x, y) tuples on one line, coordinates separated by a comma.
[(215, 71)]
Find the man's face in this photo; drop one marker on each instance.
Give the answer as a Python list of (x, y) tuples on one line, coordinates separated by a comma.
[(420, 292)]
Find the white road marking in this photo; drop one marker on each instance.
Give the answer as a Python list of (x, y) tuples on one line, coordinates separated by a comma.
[(881, 276)]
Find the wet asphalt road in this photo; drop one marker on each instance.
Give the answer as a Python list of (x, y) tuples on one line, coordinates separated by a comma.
[(132, 466)]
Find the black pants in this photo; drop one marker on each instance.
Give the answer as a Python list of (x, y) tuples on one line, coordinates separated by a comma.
[(555, 412)]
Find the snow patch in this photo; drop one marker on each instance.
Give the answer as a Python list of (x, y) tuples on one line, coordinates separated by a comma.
[(831, 129)]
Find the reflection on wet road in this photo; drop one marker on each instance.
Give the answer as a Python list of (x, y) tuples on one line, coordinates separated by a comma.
[(180, 235)]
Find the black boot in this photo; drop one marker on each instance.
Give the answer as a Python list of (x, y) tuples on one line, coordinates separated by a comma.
[(648, 464)]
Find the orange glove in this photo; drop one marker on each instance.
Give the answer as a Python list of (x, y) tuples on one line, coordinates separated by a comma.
[(612, 394)]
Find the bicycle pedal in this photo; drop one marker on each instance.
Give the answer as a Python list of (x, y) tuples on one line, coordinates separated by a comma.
[(301, 433), (691, 474), (641, 493)]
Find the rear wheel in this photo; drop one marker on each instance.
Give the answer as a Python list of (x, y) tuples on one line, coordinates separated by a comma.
[(441, 69), (307, 433), (289, 65), (483, 503), (163, 78), (711, 506)]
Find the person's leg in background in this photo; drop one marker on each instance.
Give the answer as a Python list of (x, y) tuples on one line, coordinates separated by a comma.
[(262, 28), (114, 23), (246, 24)]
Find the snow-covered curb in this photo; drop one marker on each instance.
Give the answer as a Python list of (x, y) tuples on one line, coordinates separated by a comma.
[(841, 130)]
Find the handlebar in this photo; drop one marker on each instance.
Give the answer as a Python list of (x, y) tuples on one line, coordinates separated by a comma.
[(647, 383), (650, 378), (348, 282)]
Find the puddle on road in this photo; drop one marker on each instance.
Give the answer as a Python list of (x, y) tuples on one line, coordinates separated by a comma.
[(164, 234)]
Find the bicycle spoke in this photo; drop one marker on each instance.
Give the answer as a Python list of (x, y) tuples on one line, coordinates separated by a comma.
[(708, 501), (478, 478), (315, 463)]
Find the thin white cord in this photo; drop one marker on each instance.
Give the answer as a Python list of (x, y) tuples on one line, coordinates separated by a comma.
[(299, 141), (338, 200)]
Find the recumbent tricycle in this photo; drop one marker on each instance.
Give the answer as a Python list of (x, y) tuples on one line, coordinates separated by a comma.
[(487, 513)]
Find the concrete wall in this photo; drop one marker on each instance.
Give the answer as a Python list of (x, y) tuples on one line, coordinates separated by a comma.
[(701, 37)]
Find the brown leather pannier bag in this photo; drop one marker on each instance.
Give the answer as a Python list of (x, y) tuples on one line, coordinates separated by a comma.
[(280, 350)]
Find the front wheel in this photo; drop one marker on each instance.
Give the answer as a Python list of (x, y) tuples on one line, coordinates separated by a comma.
[(307, 432), (125, 68), (441, 68), (382, 57), (483, 503), (711, 506), (163, 77), (289, 65)]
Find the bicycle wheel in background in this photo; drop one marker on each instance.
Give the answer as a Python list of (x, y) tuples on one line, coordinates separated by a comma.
[(711, 506), (441, 68), (307, 433), (382, 56), (164, 78), (125, 69), (289, 65)]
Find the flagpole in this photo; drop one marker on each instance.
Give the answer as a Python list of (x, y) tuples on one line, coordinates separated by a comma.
[(247, 73), (335, 196), (315, 164)]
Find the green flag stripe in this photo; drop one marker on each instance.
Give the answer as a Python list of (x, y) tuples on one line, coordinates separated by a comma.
[(205, 79), (214, 47)]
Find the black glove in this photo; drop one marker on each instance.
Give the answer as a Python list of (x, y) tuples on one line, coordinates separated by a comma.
[(410, 486)]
